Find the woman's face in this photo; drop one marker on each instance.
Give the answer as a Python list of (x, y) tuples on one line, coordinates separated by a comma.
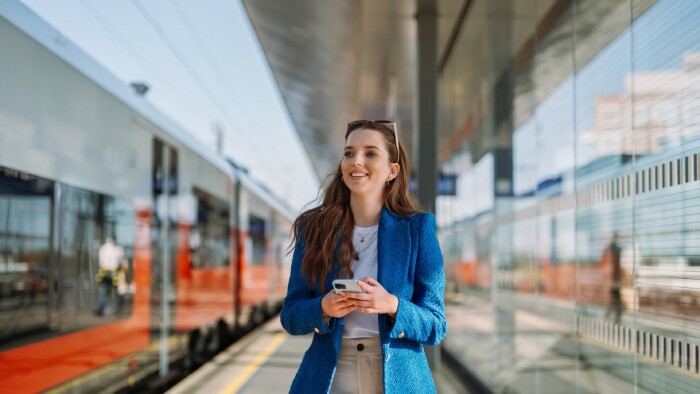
[(366, 167)]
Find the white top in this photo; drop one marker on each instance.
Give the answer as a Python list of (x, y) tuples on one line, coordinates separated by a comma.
[(359, 324), (111, 255)]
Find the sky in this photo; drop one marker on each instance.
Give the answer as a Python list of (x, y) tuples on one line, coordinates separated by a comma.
[(205, 67)]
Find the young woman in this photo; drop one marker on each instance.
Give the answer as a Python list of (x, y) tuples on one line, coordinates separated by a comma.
[(370, 228)]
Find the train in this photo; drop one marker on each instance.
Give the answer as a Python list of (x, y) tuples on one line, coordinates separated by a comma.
[(82, 159)]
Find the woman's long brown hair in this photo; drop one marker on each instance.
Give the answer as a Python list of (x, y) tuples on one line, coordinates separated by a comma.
[(322, 227)]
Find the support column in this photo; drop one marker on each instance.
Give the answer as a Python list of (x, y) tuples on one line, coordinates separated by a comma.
[(164, 216), (425, 132)]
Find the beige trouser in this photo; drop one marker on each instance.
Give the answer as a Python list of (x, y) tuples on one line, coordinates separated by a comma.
[(360, 369)]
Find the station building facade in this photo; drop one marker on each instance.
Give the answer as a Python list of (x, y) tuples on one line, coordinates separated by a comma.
[(574, 234)]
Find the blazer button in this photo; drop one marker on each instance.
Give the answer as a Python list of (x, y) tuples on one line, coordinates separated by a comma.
[(360, 347), (316, 330), (401, 334)]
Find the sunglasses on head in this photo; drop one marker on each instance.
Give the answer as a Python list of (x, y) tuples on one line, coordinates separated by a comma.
[(357, 124)]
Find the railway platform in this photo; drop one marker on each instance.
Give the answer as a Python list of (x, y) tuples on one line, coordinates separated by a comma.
[(265, 361), (519, 344)]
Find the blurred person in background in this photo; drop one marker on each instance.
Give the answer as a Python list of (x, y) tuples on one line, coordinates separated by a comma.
[(611, 260), (112, 264)]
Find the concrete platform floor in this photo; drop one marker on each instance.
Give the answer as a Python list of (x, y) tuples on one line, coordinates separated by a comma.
[(265, 361)]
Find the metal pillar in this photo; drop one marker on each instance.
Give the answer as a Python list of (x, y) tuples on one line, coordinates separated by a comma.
[(164, 215), (425, 133)]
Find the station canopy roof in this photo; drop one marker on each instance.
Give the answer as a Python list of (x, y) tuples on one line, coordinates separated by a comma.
[(342, 60), (337, 61)]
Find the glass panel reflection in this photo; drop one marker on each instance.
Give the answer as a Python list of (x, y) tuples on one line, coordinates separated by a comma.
[(95, 257), (25, 243), (47, 288), (586, 278), (209, 239)]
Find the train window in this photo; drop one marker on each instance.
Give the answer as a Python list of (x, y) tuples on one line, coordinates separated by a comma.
[(158, 165), (210, 235), (687, 169), (26, 204), (50, 261), (158, 173), (256, 241), (164, 168), (696, 167), (173, 172), (94, 288)]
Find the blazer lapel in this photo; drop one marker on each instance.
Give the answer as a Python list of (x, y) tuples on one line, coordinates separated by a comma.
[(393, 251)]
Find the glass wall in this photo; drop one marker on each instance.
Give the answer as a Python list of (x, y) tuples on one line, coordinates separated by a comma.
[(582, 273)]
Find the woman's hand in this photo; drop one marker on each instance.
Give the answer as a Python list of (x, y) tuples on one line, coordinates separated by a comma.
[(336, 305), (375, 299)]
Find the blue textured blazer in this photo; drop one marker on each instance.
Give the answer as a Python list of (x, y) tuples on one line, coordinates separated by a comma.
[(410, 267)]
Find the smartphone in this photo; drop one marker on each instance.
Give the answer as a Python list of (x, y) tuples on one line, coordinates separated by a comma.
[(349, 285)]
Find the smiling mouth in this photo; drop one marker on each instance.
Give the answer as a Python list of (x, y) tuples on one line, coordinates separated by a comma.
[(358, 175)]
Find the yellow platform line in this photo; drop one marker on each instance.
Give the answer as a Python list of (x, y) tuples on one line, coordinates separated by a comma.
[(254, 365)]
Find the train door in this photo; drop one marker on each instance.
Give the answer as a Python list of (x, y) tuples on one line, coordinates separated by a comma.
[(26, 289), (273, 261), (236, 253), (164, 247), (79, 230), (88, 294)]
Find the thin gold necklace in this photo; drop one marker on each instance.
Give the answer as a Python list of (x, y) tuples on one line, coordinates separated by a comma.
[(370, 241), (373, 229)]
